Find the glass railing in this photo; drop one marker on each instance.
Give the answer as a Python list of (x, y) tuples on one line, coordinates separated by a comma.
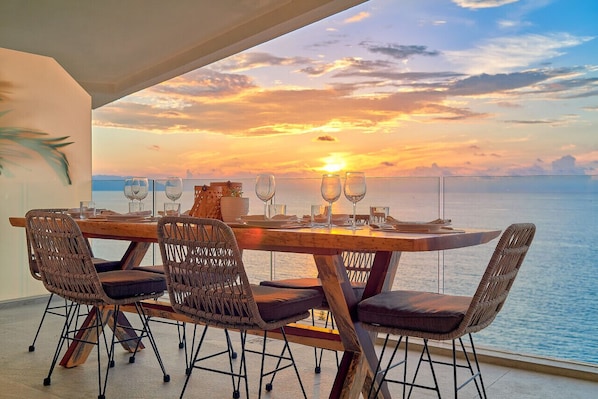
[(550, 307)]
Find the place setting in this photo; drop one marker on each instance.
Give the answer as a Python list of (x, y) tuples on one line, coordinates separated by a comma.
[(381, 221), (354, 189), (274, 216)]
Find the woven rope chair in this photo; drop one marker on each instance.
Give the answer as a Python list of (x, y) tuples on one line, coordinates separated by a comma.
[(66, 267), (447, 317), (60, 310), (207, 282), (358, 265)]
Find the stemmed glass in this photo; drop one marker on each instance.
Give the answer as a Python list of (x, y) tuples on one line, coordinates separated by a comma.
[(331, 192), (173, 188), (140, 189), (355, 189), (128, 191), (265, 187)]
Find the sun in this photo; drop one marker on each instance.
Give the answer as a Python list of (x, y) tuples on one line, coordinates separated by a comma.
[(334, 163)]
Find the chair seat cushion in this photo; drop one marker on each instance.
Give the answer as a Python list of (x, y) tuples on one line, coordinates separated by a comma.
[(279, 303), (103, 265), (131, 283), (153, 269), (313, 283), (414, 310)]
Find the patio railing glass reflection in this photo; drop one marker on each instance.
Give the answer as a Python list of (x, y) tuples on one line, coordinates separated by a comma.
[(555, 291)]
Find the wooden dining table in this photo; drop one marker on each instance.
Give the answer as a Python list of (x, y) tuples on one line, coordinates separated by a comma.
[(326, 245)]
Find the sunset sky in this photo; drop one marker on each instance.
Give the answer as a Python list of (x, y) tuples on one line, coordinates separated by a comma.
[(392, 88)]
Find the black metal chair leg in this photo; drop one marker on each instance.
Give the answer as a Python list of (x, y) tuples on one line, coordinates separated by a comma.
[(147, 332), (48, 309), (70, 313)]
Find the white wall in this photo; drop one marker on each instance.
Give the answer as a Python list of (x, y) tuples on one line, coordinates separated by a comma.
[(40, 95)]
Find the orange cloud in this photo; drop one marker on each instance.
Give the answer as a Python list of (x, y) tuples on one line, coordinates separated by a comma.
[(357, 18)]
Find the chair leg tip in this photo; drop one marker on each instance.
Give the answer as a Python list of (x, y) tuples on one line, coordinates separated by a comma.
[(47, 381), (181, 345), (318, 370), (131, 360), (166, 377), (268, 387), (31, 348), (236, 394)]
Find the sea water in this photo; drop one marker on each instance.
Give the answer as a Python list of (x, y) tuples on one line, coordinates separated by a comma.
[(552, 309)]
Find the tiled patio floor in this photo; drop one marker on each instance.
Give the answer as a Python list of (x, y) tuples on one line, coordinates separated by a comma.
[(23, 372)]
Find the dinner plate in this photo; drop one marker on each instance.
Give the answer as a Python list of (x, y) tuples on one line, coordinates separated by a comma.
[(442, 230), (126, 218), (419, 226), (273, 224)]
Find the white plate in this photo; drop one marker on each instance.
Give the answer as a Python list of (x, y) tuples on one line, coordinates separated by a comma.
[(125, 218), (419, 226), (442, 230), (272, 223)]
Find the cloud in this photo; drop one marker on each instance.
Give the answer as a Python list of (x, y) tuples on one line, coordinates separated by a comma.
[(252, 60), (505, 54), (513, 24), (399, 51), (202, 100), (475, 4), (389, 74), (358, 17), (376, 93), (508, 104), (326, 138), (433, 170), (324, 43), (563, 121), (566, 166), (201, 82), (589, 93), (485, 83)]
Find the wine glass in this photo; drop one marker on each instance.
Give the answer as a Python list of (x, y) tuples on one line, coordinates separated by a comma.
[(128, 189), (331, 192), (265, 187), (355, 189), (140, 189), (173, 188)]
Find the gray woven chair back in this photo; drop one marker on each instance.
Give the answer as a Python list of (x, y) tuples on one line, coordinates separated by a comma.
[(498, 279), (63, 257), (358, 265), (204, 272)]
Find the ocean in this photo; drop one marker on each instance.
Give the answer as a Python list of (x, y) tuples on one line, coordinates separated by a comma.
[(552, 310)]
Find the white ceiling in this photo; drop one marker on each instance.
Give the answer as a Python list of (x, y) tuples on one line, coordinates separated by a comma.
[(116, 47)]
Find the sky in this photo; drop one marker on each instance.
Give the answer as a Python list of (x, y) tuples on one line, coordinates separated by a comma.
[(391, 88)]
